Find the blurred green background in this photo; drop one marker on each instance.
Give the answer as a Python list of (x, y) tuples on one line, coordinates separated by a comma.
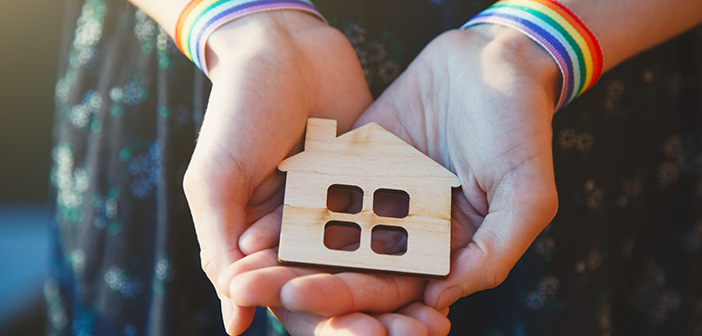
[(30, 32)]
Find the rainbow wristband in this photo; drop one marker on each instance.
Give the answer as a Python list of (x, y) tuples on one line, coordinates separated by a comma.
[(202, 17), (558, 29)]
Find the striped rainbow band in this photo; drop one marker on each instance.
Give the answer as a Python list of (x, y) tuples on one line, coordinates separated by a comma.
[(201, 17), (558, 29)]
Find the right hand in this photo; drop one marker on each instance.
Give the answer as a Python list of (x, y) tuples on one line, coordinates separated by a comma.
[(270, 72)]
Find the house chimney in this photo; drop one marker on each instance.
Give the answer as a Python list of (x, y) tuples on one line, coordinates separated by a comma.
[(319, 132)]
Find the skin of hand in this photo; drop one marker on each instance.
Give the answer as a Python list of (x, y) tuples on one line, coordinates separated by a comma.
[(479, 102), (415, 319), (466, 113), (256, 280), (270, 72)]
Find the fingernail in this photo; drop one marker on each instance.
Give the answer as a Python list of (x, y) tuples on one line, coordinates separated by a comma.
[(447, 297), (227, 314)]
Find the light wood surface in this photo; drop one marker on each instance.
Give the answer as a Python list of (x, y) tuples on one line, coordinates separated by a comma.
[(370, 158)]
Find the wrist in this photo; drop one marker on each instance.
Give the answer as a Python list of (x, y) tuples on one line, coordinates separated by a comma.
[(253, 32), (200, 18), (560, 31), (513, 46)]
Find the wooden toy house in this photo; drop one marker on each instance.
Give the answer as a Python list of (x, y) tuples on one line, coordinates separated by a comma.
[(374, 164)]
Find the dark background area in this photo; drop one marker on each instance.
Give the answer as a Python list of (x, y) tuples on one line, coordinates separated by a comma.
[(30, 31)]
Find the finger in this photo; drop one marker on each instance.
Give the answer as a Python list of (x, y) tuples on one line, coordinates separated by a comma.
[(341, 293), (516, 217), (400, 325), (384, 112), (298, 323), (263, 287), (436, 322), (256, 280), (401, 97), (266, 258), (263, 234), (236, 319)]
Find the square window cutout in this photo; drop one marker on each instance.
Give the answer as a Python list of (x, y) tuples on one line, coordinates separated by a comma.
[(390, 240), (345, 198), (391, 203), (342, 236)]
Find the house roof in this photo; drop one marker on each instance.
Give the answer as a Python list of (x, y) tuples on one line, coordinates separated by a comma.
[(354, 153)]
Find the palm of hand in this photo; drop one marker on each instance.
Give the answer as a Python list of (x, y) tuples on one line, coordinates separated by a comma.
[(485, 115)]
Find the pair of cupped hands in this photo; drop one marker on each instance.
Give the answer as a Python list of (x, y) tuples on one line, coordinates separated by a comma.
[(478, 101)]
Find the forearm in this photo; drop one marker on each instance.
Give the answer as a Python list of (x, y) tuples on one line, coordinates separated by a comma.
[(627, 27)]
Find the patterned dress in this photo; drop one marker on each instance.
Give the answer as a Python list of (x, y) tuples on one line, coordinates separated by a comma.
[(622, 257)]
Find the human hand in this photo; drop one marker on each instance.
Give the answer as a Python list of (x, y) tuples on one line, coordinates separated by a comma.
[(413, 318), (480, 102), (259, 280), (270, 72)]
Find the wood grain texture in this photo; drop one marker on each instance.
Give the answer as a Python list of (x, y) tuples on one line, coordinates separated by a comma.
[(370, 158)]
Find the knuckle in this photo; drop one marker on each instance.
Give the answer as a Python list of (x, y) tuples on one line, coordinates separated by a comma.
[(545, 201), (192, 179), (497, 275), (540, 204), (551, 202), (208, 265)]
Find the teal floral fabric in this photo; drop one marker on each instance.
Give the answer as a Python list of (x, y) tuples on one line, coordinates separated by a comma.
[(623, 256)]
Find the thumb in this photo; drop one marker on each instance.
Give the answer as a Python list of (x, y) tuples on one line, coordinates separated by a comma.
[(382, 112), (518, 213), (397, 99)]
